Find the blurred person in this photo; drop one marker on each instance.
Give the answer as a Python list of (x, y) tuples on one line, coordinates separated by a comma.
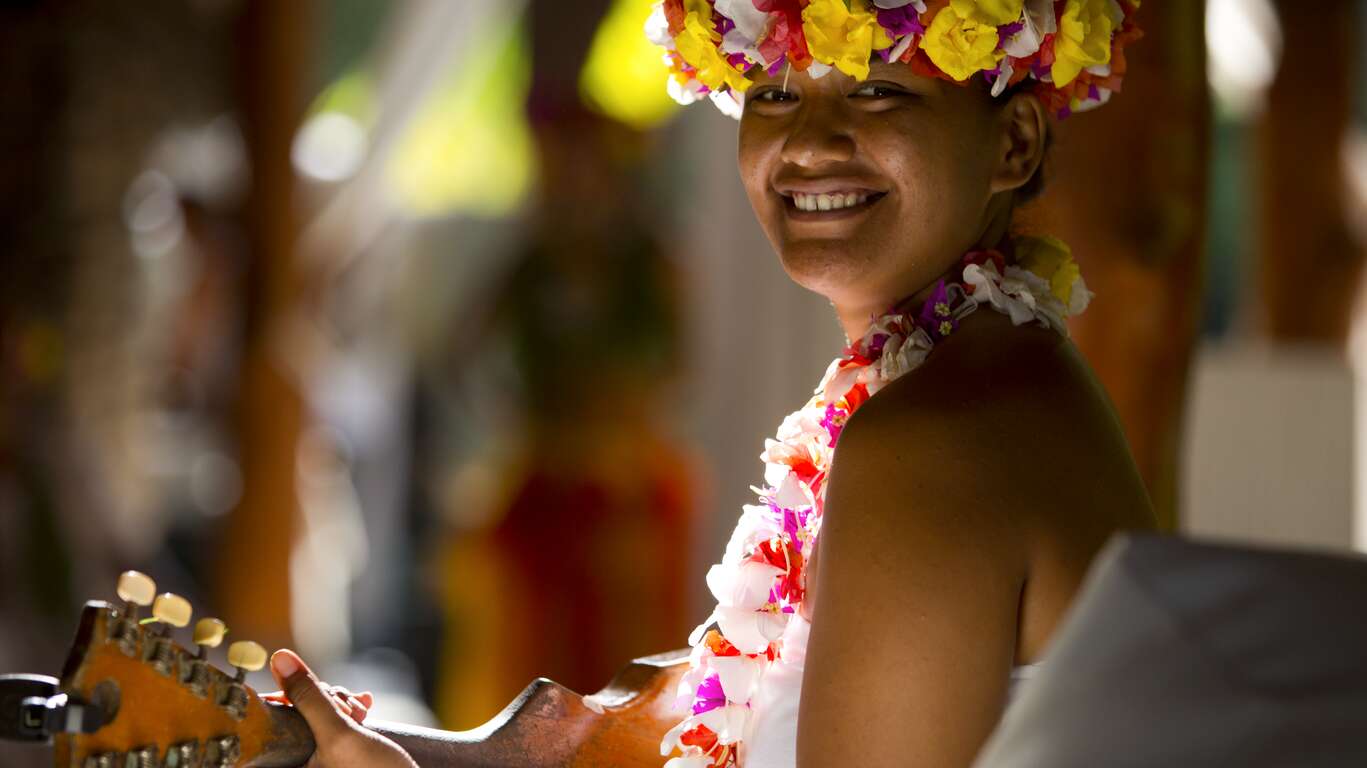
[(579, 562), (979, 467)]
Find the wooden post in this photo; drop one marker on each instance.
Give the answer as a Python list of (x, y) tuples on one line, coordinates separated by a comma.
[(1309, 260), (253, 585)]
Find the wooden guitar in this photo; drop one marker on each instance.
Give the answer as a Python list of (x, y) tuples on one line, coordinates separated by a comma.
[(130, 696)]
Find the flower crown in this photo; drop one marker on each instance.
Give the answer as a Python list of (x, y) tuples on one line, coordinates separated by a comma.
[(1070, 51)]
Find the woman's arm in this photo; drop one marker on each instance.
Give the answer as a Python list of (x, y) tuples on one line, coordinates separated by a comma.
[(916, 597)]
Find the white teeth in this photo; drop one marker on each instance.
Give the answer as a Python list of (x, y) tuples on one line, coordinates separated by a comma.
[(827, 202)]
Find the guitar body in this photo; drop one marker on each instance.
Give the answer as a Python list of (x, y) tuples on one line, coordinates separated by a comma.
[(141, 699)]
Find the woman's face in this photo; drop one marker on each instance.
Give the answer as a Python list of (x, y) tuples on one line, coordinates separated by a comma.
[(914, 156)]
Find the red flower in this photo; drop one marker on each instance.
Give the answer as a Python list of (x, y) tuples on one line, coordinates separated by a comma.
[(699, 736), (922, 65), (855, 360), (785, 36), (982, 257), (856, 397), (782, 554), (718, 645), (674, 13), (805, 470)]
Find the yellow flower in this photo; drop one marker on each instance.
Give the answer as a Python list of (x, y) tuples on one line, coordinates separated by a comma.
[(1083, 39), (960, 46), (1052, 260), (844, 36), (697, 44), (994, 12)]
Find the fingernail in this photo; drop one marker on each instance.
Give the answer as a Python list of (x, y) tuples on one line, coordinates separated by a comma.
[(285, 663)]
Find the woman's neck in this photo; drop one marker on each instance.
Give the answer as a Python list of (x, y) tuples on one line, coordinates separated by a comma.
[(856, 316)]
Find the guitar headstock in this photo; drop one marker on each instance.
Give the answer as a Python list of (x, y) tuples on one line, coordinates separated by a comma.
[(139, 699)]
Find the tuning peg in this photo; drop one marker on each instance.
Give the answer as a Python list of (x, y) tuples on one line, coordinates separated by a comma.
[(136, 589), (168, 610), (172, 610), (247, 657), (209, 633)]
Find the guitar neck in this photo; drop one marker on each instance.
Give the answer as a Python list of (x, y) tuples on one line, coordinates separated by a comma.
[(538, 740), (546, 726)]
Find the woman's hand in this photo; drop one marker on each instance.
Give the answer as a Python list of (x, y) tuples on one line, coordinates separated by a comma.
[(334, 715), (357, 705)]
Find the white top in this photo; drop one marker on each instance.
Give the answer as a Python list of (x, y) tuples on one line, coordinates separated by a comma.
[(771, 741)]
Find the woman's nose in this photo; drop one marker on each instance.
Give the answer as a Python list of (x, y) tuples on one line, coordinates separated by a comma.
[(818, 136)]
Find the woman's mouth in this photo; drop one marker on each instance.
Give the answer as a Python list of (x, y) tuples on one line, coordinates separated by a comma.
[(829, 206)]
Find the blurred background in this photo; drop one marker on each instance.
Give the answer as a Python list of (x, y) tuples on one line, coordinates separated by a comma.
[(430, 338)]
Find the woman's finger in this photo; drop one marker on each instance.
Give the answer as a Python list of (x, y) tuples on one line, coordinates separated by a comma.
[(358, 712), (343, 705), (367, 698), (351, 705), (319, 709)]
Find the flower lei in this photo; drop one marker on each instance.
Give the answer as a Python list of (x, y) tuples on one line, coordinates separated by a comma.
[(1072, 51), (761, 580)]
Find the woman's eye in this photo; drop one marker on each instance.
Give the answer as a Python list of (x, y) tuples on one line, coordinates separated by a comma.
[(876, 91), (774, 95)]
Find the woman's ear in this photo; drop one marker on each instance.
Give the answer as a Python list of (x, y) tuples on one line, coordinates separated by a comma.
[(1024, 131)]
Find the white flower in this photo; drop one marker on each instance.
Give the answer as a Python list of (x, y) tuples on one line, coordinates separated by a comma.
[(1039, 21), (792, 493), (1085, 105), (728, 102), (745, 586), (1034, 291), (756, 524), (683, 93), (738, 674), (1003, 78), (901, 47), (689, 762), (775, 470), (751, 22), (736, 42), (900, 355), (657, 28), (840, 383), (800, 426), (987, 290), (750, 631)]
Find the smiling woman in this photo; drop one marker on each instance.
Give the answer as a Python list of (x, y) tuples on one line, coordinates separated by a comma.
[(934, 166), (947, 486), (926, 518)]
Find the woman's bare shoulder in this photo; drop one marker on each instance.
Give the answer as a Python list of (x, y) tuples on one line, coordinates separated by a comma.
[(1008, 418)]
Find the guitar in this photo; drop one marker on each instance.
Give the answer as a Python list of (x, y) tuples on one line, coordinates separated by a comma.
[(130, 696)]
